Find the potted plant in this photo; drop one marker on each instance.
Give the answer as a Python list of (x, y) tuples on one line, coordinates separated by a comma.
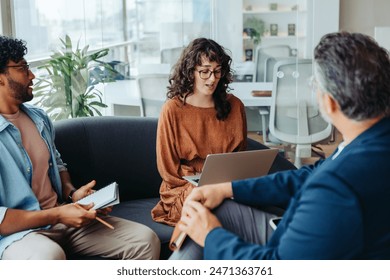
[(254, 28), (67, 90)]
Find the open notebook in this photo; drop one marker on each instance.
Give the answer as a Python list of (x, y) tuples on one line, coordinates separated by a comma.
[(104, 197)]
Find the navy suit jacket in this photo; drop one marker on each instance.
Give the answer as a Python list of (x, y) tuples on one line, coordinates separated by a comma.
[(338, 208)]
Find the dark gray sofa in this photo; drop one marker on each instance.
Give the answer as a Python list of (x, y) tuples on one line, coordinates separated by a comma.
[(123, 149)]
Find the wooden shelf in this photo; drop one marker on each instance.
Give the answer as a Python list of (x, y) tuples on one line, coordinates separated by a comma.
[(284, 36), (269, 12)]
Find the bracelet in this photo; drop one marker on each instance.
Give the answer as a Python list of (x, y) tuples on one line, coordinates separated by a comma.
[(69, 199)]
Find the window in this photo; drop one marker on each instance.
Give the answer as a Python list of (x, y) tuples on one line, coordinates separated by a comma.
[(138, 32), (135, 30)]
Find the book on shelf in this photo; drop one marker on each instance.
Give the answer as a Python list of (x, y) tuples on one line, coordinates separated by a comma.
[(273, 6), (274, 29), (291, 29)]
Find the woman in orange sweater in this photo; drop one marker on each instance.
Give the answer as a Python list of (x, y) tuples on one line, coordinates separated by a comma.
[(199, 118)]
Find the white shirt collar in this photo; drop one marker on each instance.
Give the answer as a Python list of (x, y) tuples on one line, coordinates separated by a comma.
[(340, 148)]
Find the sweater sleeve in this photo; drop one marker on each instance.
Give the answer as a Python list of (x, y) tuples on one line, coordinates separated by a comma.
[(173, 189), (244, 128)]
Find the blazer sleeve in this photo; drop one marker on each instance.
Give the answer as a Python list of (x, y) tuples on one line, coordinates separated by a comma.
[(274, 189), (326, 223)]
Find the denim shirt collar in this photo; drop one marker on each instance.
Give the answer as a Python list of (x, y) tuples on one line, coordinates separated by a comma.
[(25, 108)]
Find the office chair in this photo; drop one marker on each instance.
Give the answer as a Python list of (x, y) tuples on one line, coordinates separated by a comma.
[(265, 59), (295, 117), (152, 89), (171, 55)]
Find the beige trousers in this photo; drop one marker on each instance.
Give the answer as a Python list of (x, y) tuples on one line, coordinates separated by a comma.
[(129, 240)]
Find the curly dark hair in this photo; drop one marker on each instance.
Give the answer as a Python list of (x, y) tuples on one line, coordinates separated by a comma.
[(11, 49), (182, 78), (355, 70)]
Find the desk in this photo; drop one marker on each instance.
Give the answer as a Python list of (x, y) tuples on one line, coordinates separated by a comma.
[(121, 92), (244, 90), (125, 93)]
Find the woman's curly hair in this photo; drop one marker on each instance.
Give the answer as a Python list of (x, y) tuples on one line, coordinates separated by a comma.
[(11, 49), (182, 78)]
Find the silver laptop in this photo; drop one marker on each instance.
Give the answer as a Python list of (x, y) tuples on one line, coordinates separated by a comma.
[(227, 167)]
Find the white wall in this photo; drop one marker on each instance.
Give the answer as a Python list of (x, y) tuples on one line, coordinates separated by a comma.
[(228, 24), (364, 15), (382, 36), (5, 18), (1, 18), (325, 19)]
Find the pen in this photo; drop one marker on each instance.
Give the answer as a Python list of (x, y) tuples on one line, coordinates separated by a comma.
[(97, 218), (104, 222)]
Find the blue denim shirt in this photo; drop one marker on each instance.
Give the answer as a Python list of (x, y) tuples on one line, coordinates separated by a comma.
[(16, 168)]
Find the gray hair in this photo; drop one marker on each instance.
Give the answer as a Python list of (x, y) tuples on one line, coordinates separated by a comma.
[(355, 70)]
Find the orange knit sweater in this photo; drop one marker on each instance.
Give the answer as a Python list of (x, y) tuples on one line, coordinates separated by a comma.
[(185, 136)]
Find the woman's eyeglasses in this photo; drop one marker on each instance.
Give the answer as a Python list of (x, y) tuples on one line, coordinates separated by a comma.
[(206, 74)]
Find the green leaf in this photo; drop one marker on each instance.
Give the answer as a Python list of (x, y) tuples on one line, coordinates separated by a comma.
[(67, 88), (99, 104)]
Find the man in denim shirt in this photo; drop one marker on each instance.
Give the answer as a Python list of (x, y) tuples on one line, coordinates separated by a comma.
[(35, 223)]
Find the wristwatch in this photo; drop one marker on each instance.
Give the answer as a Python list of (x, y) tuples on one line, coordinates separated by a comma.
[(69, 199)]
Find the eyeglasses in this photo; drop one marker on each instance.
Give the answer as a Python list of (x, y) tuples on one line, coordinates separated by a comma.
[(25, 67), (206, 74)]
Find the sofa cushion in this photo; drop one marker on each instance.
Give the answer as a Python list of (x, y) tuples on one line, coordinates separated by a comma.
[(107, 149)]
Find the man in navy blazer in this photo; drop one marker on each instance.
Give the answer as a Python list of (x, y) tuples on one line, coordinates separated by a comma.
[(337, 208)]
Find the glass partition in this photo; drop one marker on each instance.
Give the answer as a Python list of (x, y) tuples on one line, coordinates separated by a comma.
[(136, 31), (147, 36), (271, 31), (142, 36)]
